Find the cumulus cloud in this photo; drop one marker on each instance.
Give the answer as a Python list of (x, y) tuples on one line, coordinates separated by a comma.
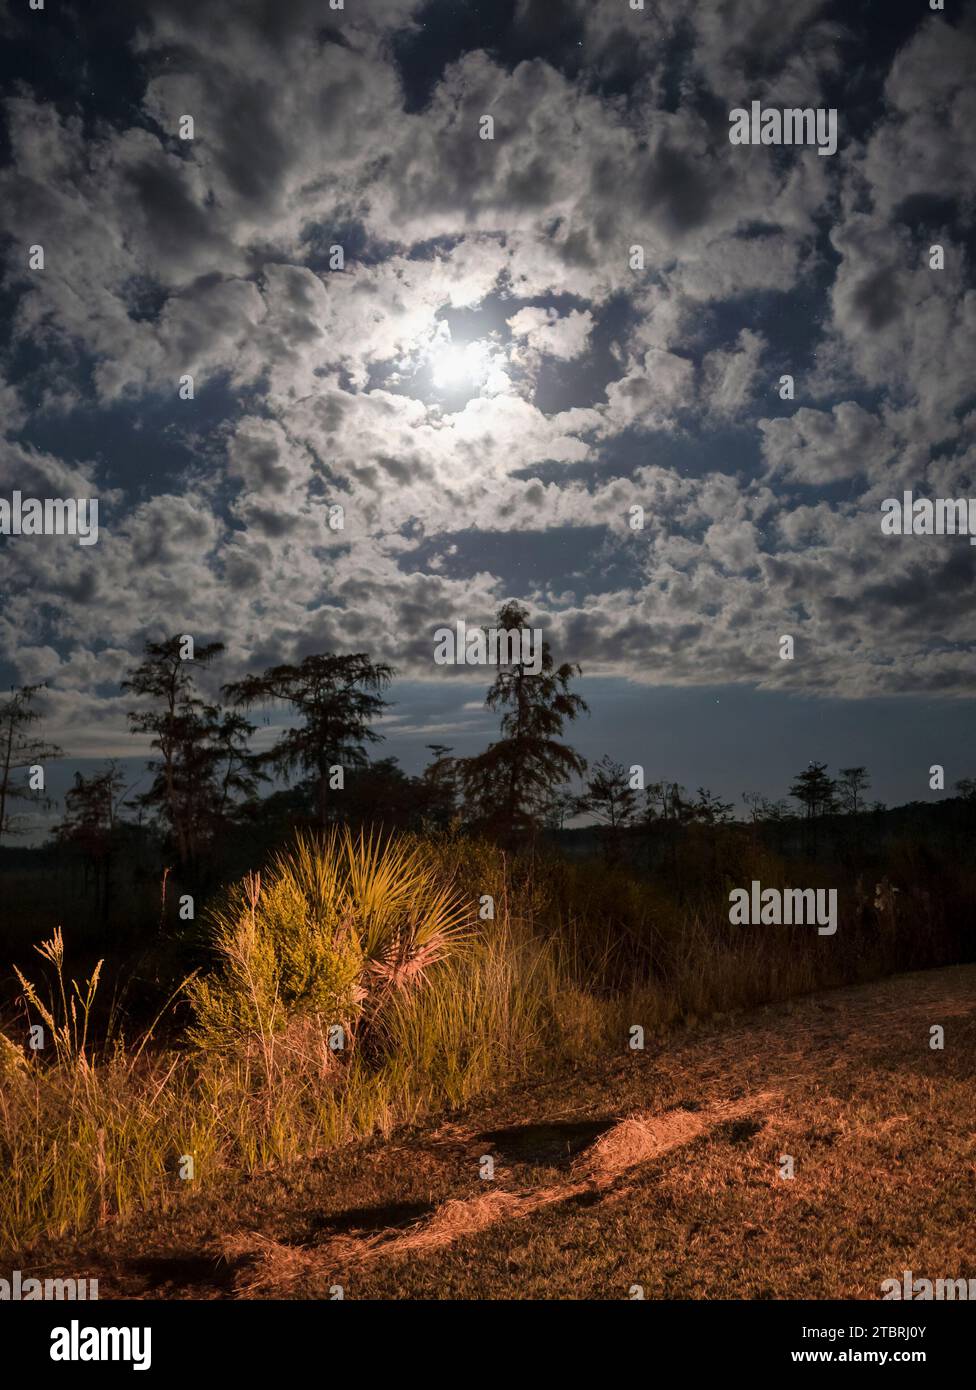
[(606, 382), (563, 336), (818, 446)]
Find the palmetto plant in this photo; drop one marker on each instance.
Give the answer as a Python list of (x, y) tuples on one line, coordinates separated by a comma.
[(332, 932)]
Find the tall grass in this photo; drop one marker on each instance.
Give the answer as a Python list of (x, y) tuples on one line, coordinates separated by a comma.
[(379, 938), (382, 939)]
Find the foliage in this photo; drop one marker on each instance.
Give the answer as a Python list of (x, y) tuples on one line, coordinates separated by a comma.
[(333, 931), (609, 795), (815, 791), (336, 697), (509, 785), (205, 762), (19, 749)]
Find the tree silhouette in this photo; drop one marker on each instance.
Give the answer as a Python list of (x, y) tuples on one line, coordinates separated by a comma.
[(853, 781), (19, 749), (509, 784), (561, 804), (762, 809), (234, 770), (204, 758), (815, 791), (440, 785), (336, 697), (382, 794), (711, 809), (91, 807), (817, 794), (609, 795), (664, 801)]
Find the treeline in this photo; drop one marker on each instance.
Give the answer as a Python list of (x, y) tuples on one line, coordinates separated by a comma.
[(206, 777), (207, 781)]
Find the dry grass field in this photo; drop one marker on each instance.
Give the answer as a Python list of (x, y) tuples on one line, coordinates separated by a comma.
[(659, 1169)]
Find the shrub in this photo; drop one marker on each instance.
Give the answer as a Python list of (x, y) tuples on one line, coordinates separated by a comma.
[(335, 931)]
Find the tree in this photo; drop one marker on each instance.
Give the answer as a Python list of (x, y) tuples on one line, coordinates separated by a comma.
[(204, 759), (381, 794), (509, 784), (710, 809), (762, 809), (609, 795), (666, 812), (91, 807), (236, 771), (817, 794), (815, 791), (561, 805), (664, 801), (440, 785), (336, 697), (853, 781), (19, 749)]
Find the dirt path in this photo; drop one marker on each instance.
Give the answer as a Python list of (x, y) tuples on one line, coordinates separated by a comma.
[(762, 1063), (267, 1266)]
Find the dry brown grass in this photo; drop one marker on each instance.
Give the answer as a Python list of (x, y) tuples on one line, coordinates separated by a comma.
[(264, 1265), (681, 1195)]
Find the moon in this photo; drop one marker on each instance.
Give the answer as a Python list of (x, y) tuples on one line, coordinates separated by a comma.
[(458, 366)]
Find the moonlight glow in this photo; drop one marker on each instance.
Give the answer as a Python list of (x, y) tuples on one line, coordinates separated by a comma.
[(455, 367)]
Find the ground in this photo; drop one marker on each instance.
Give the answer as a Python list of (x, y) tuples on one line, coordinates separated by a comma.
[(659, 1171)]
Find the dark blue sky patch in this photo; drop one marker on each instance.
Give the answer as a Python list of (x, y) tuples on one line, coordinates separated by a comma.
[(145, 446), (727, 738), (692, 455), (874, 31), (442, 32), (432, 247), (145, 298), (790, 321), (584, 559), (77, 57), (947, 221), (359, 245), (582, 381)]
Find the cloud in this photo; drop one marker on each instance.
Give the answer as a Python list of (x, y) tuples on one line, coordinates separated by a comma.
[(817, 446), (604, 388), (545, 331), (729, 375)]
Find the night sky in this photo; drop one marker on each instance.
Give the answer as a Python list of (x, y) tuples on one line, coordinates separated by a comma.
[(487, 386)]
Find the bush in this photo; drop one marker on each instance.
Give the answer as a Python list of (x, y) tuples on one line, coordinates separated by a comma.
[(337, 930)]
